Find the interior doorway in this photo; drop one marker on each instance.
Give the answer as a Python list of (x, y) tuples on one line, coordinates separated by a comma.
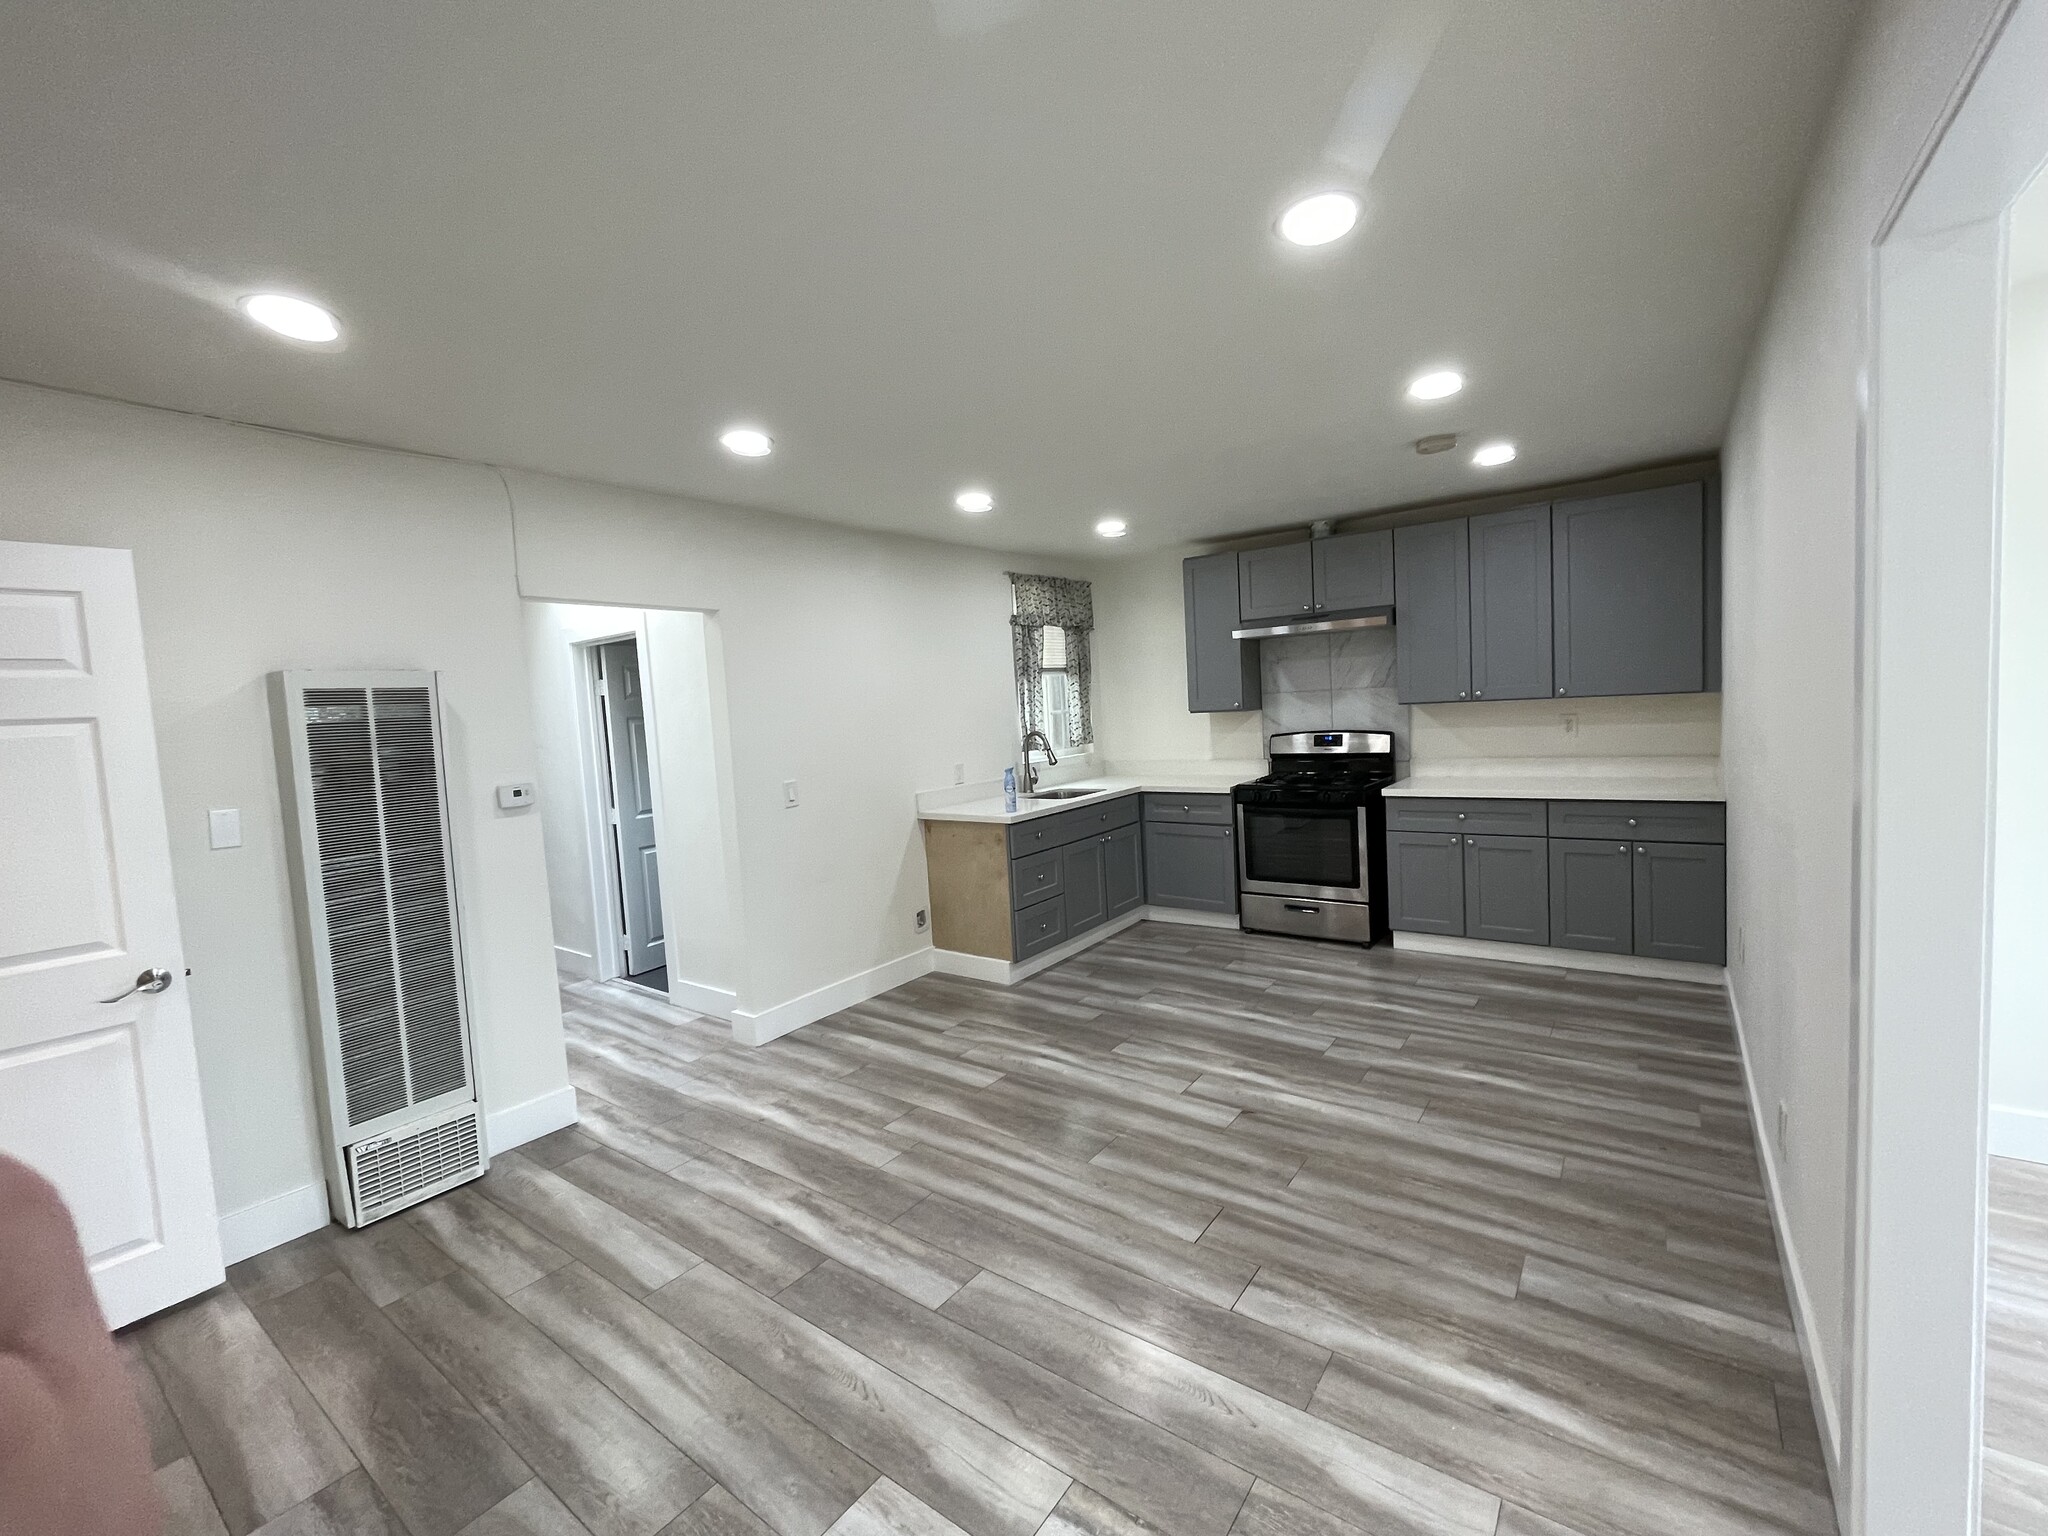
[(619, 707)]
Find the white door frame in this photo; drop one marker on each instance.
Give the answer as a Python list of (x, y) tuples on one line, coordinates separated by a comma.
[(1927, 593)]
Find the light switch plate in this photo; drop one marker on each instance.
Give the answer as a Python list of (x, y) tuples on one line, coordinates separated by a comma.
[(224, 829), (788, 792)]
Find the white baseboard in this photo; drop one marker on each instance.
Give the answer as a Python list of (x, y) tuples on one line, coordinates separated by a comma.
[(1645, 966), (574, 962), (1820, 1386), (1006, 973), (750, 1027), (712, 1002), (263, 1226), (515, 1124), (2020, 1133)]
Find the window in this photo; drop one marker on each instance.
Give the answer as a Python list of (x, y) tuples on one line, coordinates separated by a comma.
[(1056, 690)]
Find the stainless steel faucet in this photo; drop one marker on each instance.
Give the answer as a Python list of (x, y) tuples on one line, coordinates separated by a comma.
[(1031, 773)]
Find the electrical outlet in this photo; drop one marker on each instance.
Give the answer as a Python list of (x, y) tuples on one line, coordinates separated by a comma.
[(924, 919), (959, 773), (788, 792)]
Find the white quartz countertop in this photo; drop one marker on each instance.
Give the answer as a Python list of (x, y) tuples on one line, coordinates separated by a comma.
[(1644, 778), (985, 807)]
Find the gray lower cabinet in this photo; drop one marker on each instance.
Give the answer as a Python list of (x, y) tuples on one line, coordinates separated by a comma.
[(1038, 928), (1123, 871), (1432, 613), (1191, 865), (1082, 885), (1223, 673), (1275, 583), (1681, 901), (1510, 557), (1629, 605), (1353, 570), (1507, 889), (1592, 895), (1426, 882)]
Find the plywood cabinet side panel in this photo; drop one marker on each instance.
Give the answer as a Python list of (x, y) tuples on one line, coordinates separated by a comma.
[(968, 866)]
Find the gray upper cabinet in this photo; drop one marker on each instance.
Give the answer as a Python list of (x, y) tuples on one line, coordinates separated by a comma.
[(1123, 870), (1630, 593), (1275, 583), (1507, 889), (1592, 895), (1426, 882), (1432, 613), (1511, 583), (1681, 901), (1353, 570), (1223, 674)]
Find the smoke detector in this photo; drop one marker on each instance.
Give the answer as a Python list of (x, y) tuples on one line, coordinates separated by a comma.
[(1437, 442)]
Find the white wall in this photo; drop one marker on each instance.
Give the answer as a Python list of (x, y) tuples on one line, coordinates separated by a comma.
[(1791, 468), (256, 551), (2019, 962)]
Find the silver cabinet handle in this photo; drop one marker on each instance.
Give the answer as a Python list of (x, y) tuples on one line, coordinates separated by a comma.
[(1639, 850), (1622, 849), (1560, 690), (155, 979), (1478, 693), (1461, 815), (1461, 693), (1631, 821)]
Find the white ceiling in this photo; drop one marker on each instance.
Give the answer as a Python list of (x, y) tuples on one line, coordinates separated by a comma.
[(926, 243)]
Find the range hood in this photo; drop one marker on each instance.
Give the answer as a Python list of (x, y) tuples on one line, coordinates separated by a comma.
[(1361, 618)]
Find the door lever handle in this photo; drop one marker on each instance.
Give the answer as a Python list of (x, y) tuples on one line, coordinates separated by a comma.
[(155, 979)]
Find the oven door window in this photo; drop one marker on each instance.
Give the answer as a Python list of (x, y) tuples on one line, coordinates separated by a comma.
[(1301, 847)]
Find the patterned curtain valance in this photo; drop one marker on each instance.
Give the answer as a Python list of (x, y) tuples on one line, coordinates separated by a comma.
[(1043, 600)]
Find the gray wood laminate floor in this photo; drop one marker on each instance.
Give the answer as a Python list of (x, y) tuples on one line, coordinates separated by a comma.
[(2016, 1352), (1199, 1233)]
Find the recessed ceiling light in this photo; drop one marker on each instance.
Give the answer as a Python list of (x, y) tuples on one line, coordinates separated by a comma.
[(1493, 454), (1112, 527), (975, 502), (298, 319), (1440, 385), (747, 442), (1319, 219)]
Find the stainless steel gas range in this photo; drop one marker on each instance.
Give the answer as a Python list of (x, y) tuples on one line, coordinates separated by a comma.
[(1311, 837)]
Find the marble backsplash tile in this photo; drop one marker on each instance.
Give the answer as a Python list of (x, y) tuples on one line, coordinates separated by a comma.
[(1342, 682)]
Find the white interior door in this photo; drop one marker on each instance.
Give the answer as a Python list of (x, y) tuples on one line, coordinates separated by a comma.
[(625, 708), (100, 1095)]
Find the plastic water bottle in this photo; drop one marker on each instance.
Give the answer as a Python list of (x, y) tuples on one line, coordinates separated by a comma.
[(1010, 789)]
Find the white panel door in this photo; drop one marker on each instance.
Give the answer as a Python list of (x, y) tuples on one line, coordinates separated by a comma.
[(99, 1088), (632, 779)]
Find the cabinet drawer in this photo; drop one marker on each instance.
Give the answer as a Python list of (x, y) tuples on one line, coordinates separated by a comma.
[(1064, 827), (1040, 927), (1663, 821), (1204, 810), (1034, 877), (1490, 818)]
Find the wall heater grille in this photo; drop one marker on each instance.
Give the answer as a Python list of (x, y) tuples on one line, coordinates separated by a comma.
[(383, 948)]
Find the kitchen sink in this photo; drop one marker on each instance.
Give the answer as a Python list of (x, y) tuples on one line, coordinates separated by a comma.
[(1064, 794)]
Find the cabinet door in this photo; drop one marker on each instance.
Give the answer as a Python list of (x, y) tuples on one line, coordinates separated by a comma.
[(1426, 882), (1223, 674), (1507, 889), (1191, 866), (1432, 614), (1681, 892), (1629, 593), (1592, 895), (1353, 570), (1123, 870), (1082, 885), (1511, 584), (1275, 583)]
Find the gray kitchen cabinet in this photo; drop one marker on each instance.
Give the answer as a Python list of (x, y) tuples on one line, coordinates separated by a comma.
[(1629, 593), (1082, 884), (1507, 889), (1432, 613), (1592, 895), (1277, 582), (1123, 871), (1681, 901), (1037, 928), (1426, 882), (1191, 865), (1223, 673), (1511, 591), (1353, 570)]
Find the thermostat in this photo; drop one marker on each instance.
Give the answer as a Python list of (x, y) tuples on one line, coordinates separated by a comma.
[(512, 796)]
